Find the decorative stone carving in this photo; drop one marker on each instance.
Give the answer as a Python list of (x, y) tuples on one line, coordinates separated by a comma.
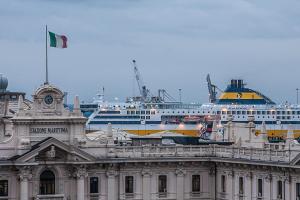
[(230, 173), (51, 153), (146, 172), (111, 173), (248, 175), (25, 173), (268, 177), (80, 172), (180, 172), (212, 171)]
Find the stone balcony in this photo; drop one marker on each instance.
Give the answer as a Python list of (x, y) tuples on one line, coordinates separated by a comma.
[(268, 154)]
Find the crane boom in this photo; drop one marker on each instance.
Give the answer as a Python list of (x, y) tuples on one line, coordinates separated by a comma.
[(144, 92), (211, 90)]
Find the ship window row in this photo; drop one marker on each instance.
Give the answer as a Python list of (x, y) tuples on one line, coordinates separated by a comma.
[(109, 112), (118, 117), (260, 112), (145, 117), (190, 112), (143, 112)]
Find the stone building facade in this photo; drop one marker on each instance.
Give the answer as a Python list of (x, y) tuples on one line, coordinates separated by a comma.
[(48, 156)]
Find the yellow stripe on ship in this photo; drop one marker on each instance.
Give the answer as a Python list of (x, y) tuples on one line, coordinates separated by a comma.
[(243, 95), (143, 132), (193, 133), (280, 133)]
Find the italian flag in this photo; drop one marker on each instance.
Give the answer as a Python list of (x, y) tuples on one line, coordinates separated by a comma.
[(59, 41)]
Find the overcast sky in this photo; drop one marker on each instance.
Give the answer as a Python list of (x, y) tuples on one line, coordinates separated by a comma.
[(175, 42)]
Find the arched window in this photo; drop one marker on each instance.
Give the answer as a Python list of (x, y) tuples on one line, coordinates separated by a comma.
[(47, 182)]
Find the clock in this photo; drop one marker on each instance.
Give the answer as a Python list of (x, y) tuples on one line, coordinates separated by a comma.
[(48, 99)]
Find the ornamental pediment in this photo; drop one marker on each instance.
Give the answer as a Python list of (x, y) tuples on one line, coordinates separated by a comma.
[(53, 150)]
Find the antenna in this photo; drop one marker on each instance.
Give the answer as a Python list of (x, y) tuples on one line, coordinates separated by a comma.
[(297, 90)]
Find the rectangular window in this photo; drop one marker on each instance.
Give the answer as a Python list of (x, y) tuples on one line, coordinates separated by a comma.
[(259, 187), (196, 183), (298, 190), (3, 188), (223, 183), (148, 112), (162, 183), (94, 182), (128, 184), (278, 112), (279, 189), (241, 185)]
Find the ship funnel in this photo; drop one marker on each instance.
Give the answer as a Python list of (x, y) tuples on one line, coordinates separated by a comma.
[(237, 83)]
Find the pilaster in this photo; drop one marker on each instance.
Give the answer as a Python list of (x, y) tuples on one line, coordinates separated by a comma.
[(146, 174), (180, 173), (248, 186), (112, 190), (80, 175), (25, 175)]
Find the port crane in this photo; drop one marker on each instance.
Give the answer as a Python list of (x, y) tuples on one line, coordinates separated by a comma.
[(212, 90), (144, 92)]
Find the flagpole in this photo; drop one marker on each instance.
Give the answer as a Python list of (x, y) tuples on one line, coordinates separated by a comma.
[(46, 56)]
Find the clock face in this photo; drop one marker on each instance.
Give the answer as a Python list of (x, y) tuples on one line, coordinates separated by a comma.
[(48, 99)]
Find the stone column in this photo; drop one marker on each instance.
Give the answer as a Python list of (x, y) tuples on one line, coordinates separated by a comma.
[(111, 185), (180, 184), (146, 173), (25, 175), (80, 175)]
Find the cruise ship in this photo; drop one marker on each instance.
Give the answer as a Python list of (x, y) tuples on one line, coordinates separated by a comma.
[(148, 115)]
